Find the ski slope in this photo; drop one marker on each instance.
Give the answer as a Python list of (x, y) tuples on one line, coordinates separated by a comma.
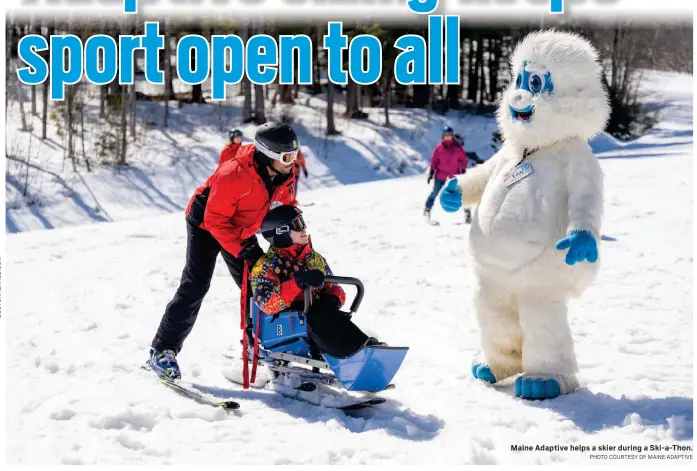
[(83, 303), (166, 165)]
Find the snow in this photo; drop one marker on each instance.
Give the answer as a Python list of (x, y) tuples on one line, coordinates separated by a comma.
[(84, 303), (166, 165)]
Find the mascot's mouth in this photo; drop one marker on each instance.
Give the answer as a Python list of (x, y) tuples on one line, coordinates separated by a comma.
[(524, 115)]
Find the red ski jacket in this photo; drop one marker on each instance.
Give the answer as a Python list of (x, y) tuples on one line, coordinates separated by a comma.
[(232, 203), (228, 153)]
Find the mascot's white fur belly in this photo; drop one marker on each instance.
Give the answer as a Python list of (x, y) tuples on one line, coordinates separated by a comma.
[(514, 225), (515, 228)]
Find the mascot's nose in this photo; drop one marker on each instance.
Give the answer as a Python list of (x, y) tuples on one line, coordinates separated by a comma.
[(521, 98)]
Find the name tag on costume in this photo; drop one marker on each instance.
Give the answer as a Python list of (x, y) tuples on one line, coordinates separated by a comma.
[(518, 173)]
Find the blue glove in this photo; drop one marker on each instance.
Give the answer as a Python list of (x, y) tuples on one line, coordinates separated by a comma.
[(451, 197), (581, 245)]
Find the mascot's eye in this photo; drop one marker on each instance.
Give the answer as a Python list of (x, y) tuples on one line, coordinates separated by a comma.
[(535, 83), (518, 81)]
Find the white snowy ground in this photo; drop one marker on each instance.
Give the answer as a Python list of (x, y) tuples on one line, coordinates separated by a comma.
[(83, 303)]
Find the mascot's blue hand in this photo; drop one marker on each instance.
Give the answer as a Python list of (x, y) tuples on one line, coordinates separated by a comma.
[(582, 246), (451, 197)]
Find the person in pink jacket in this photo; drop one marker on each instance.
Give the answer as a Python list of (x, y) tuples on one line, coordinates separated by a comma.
[(448, 159)]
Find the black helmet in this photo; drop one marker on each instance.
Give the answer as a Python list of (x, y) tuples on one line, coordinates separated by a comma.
[(235, 133), (276, 142), (447, 130), (278, 223)]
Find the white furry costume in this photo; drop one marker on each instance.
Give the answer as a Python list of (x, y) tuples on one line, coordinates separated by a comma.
[(524, 282)]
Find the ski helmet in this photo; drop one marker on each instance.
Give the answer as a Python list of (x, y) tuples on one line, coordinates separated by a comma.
[(278, 223), (234, 133), (447, 129), (276, 142)]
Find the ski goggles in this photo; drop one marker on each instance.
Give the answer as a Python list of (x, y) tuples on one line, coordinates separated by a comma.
[(297, 225), (286, 158)]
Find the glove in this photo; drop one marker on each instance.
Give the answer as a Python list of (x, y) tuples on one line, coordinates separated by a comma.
[(251, 250), (451, 197), (314, 278), (305, 172), (581, 245), (430, 177), (327, 303)]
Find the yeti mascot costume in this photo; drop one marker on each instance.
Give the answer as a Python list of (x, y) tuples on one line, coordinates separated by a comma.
[(535, 232)]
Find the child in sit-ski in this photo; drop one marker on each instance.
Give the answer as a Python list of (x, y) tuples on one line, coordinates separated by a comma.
[(280, 277)]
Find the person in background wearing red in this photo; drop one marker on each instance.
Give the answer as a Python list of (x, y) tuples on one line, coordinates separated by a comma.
[(448, 160), (230, 150)]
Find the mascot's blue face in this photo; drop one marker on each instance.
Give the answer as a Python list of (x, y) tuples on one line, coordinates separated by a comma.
[(529, 85)]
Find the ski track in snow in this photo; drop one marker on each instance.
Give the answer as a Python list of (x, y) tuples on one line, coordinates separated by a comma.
[(85, 302)]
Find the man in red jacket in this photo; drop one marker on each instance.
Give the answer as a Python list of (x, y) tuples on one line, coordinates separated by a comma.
[(230, 150), (223, 217)]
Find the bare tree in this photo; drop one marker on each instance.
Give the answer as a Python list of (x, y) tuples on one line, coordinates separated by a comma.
[(36, 29), (122, 130), (331, 128), (259, 112), (20, 100), (246, 84), (196, 91), (9, 32), (44, 110), (80, 107), (132, 94), (167, 60), (69, 103)]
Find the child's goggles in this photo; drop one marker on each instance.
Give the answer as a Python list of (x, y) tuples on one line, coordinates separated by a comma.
[(297, 225)]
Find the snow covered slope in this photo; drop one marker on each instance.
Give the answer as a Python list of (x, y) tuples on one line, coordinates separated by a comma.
[(167, 164), (82, 305)]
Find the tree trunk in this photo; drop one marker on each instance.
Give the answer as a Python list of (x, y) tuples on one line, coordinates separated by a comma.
[(353, 100), (494, 57), (114, 86), (246, 84), (20, 100), (386, 85), (316, 85), (259, 114), (44, 98), (69, 102), (286, 94), (8, 61), (331, 129), (82, 136), (453, 96), (196, 91), (422, 95), (122, 147), (35, 30), (482, 77), (167, 66), (473, 69)]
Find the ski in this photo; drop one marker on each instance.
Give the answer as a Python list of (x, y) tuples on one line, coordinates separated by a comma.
[(188, 390), (307, 387), (310, 387)]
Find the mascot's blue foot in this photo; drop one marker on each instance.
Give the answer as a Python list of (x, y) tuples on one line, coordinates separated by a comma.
[(535, 387), (483, 372)]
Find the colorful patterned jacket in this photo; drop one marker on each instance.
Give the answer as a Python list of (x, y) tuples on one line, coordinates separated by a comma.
[(273, 282)]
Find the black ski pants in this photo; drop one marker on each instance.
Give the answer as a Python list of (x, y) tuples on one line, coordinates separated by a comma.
[(332, 331), (180, 314)]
